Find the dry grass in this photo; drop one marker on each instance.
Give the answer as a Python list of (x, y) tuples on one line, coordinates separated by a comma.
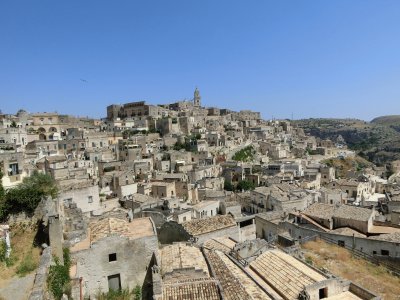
[(339, 261), (23, 250)]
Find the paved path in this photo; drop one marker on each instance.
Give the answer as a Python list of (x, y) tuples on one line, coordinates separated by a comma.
[(17, 288)]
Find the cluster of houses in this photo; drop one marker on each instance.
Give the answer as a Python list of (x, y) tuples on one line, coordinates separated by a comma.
[(153, 196)]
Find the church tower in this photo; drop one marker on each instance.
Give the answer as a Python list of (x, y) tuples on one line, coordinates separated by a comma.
[(197, 98)]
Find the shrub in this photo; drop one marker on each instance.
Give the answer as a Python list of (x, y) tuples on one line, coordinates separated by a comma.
[(117, 295), (26, 196), (137, 293), (58, 280), (246, 185), (228, 186), (3, 251), (246, 154), (309, 260), (27, 265)]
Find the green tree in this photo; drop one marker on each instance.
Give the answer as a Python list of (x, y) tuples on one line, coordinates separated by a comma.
[(246, 185), (228, 186), (26, 196), (245, 154), (13, 124), (2, 199)]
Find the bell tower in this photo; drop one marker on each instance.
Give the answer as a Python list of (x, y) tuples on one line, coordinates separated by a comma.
[(196, 98)]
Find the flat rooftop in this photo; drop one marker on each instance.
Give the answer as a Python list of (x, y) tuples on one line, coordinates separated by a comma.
[(204, 204), (344, 296)]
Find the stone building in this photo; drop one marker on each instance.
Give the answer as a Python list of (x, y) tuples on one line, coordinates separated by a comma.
[(84, 194), (115, 255), (12, 167), (135, 109)]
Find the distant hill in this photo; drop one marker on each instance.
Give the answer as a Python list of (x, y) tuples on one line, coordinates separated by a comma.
[(386, 120), (378, 140), (392, 121)]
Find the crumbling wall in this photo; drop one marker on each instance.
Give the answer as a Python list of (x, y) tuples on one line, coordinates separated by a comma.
[(39, 291)]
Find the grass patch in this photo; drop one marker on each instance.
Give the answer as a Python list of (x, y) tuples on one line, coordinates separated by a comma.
[(117, 295), (341, 262), (24, 254), (27, 265)]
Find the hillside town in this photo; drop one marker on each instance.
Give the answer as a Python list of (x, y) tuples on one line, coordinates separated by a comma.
[(182, 201)]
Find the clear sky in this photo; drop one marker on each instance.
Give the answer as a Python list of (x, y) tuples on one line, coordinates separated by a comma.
[(311, 58)]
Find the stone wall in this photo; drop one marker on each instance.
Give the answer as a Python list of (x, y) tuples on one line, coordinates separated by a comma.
[(133, 258), (365, 245), (39, 290), (232, 232)]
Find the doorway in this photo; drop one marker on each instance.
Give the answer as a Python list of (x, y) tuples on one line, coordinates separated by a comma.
[(114, 282)]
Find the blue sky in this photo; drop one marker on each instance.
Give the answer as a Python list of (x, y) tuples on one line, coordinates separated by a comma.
[(311, 58)]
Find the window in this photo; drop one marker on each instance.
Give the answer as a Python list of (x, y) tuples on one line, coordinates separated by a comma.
[(13, 169), (67, 202), (112, 257), (385, 252), (323, 293), (90, 199)]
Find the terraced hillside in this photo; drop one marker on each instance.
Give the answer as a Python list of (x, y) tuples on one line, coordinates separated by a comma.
[(378, 140)]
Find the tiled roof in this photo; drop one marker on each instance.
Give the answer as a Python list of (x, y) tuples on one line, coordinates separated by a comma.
[(195, 289), (249, 285), (271, 215), (284, 273), (201, 226), (320, 210), (232, 288), (391, 237), (224, 244), (231, 203), (352, 212), (179, 256), (327, 211), (138, 228)]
